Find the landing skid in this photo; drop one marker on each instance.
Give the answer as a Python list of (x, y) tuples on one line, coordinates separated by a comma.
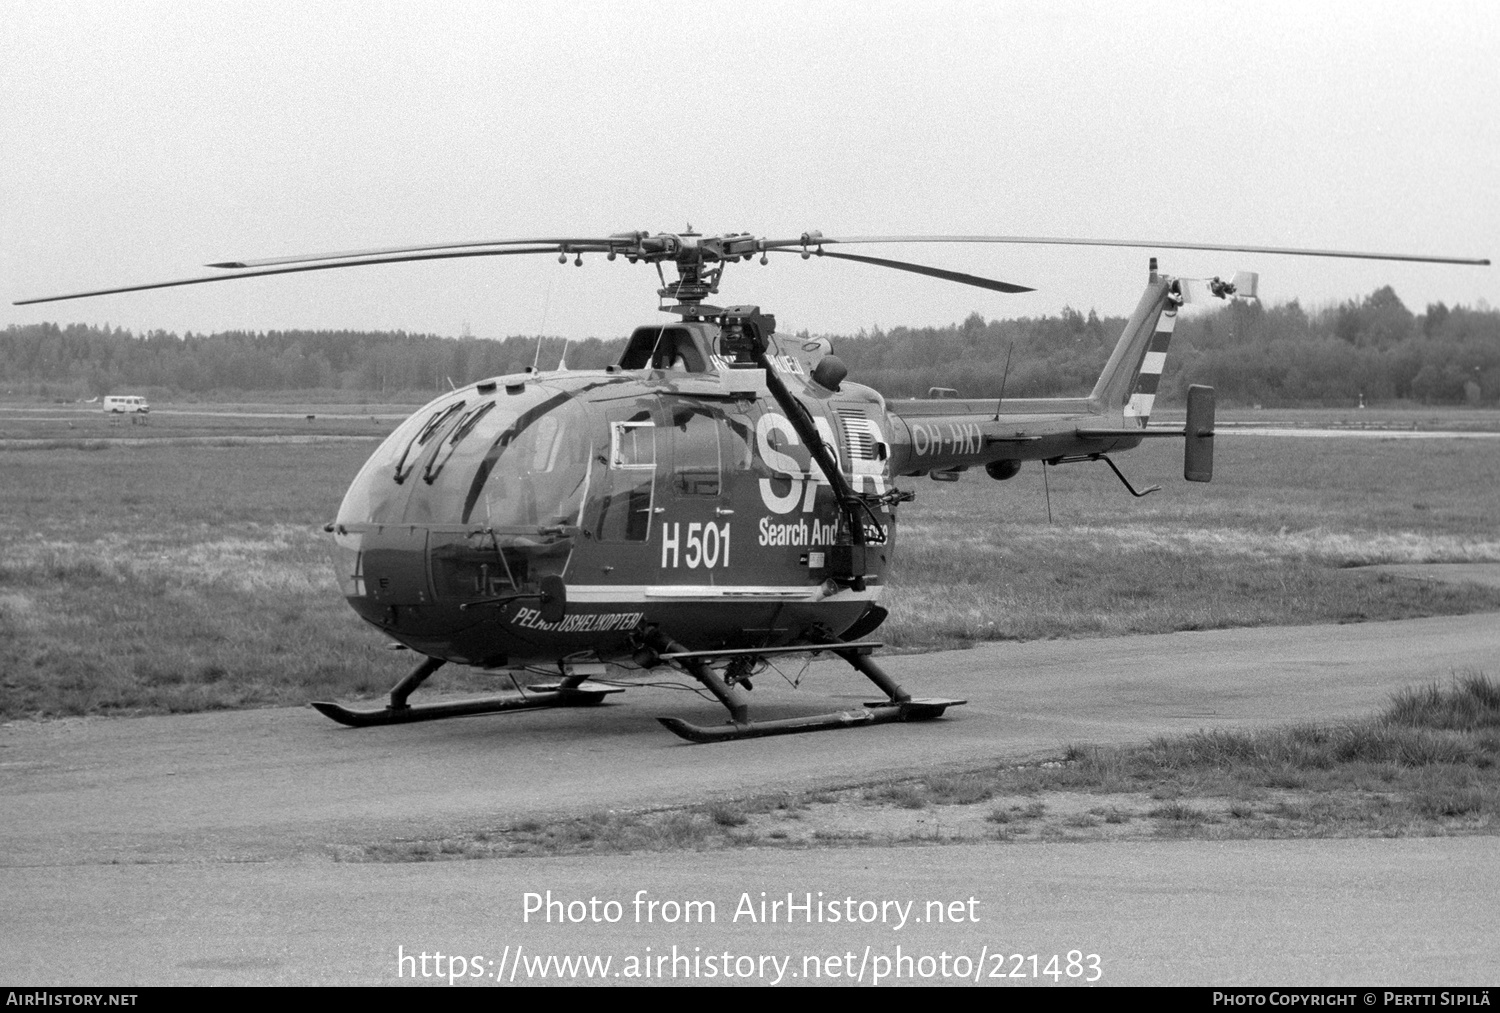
[(568, 693), (489, 705), (880, 712), (899, 707), (571, 692)]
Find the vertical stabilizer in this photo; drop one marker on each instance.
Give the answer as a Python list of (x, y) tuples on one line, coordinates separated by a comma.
[(1148, 377), (1131, 375)]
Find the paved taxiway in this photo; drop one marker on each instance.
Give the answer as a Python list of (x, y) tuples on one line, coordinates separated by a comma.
[(210, 834), (1361, 913)]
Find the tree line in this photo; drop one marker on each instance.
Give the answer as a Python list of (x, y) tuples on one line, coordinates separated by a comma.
[(1372, 347), (82, 359)]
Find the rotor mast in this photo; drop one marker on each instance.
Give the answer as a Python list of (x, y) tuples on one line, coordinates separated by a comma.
[(700, 262)]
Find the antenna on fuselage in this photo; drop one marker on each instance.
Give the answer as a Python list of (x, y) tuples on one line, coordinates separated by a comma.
[(1005, 375), (542, 330)]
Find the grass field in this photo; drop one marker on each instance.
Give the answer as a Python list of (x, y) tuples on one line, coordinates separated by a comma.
[(1271, 540), (163, 574), (81, 426)]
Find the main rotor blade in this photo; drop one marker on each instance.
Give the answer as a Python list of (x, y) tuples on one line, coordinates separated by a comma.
[(931, 272), (207, 279), (812, 240), (586, 244)]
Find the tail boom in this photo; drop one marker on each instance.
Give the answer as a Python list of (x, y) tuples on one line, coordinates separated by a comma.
[(942, 436)]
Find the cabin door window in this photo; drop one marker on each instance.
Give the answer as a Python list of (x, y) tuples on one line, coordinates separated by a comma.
[(625, 511)]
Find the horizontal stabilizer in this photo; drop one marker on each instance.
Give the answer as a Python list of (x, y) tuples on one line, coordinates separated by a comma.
[(1110, 434)]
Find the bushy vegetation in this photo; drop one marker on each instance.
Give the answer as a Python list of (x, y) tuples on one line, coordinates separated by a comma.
[(1282, 355), (1375, 348)]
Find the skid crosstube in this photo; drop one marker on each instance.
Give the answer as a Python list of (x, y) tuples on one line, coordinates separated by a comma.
[(898, 707)]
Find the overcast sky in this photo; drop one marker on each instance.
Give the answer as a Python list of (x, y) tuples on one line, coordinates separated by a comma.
[(140, 140)]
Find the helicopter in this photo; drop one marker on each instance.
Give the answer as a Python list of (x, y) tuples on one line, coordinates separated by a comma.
[(721, 496)]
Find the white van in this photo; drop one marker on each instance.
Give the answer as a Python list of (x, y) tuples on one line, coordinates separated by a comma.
[(127, 403)]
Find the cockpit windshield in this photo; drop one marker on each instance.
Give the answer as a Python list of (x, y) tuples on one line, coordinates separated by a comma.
[(535, 473), (502, 461)]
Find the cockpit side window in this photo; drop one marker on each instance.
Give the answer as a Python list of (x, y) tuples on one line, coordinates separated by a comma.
[(625, 508), (632, 445), (738, 444), (695, 453)]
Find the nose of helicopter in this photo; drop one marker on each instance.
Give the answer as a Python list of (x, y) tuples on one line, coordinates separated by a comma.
[(477, 496)]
